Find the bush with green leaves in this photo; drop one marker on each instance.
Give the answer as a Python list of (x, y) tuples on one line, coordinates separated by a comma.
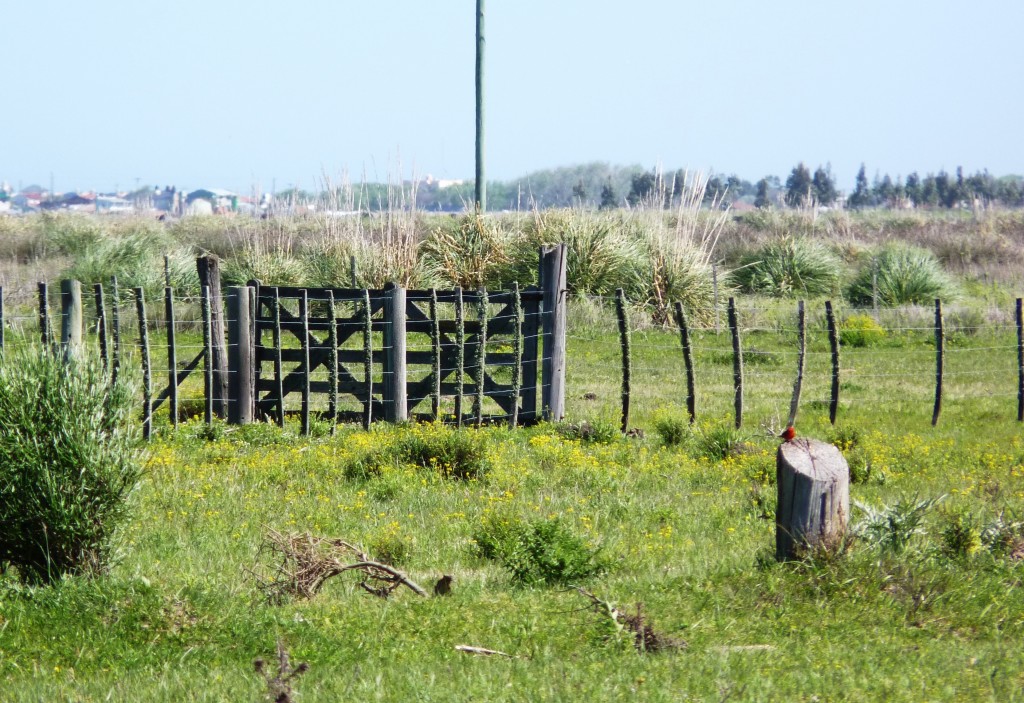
[(538, 552), (790, 266), (860, 331), (69, 459), (474, 251), (905, 274), (456, 453), (673, 431)]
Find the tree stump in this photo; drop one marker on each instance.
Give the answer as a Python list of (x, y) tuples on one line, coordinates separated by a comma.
[(813, 482)]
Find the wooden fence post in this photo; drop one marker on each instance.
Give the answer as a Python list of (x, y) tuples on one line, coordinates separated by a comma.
[(481, 357), (396, 406), (207, 357), (833, 342), (684, 336), (304, 318), (332, 361), (1020, 360), (44, 315), (240, 391), (553, 283), (517, 352), (208, 268), (278, 363), (115, 329), (101, 323), (172, 357), (737, 363), (939, 358), (435, 357), (368, 358), (70, 318), (460, 354), (714, 284), (624, 341), (801, 325), (147, 372)]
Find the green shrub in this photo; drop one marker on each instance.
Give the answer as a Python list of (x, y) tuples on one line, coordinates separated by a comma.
[(961, 534), (717, 442), (906, 274), (860, 331), (789, 266), (539, 552), (68, 461), (673, 430), (456, 453), (137, 259)]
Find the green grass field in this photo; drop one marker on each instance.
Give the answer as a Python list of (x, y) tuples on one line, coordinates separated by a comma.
[(686, 530)]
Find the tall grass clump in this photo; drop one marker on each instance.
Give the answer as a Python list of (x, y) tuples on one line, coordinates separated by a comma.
[(601, 256), (680, 254), (69, 459), (136, 257), (789, 266), (473, 251), (905, 274)]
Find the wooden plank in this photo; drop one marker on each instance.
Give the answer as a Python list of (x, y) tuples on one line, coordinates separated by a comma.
[(172, 357), (531, 347)]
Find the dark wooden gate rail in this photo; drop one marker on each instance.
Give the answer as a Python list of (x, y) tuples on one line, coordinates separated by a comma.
[(274, 382)]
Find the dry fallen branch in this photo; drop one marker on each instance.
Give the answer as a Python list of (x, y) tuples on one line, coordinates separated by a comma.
[(645, 637), (304, 563), (482, 651)]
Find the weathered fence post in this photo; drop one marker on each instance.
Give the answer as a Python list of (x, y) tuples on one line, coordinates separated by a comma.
[(833, 342), (70, 318), (801, 325), (101, 323), (115, 329), (1020, 360), (460, 354), (517, 352), (481, 357), (552, 281), (396, 407), (737, 363), (172, 357), (627, 367), (940, 338), (368, 358), (207, 357), (208, 268), (44, 315), (278, 362), (435, 357), (240, 390), (147, 372), (332, 361), (684, 338), (304, 318)]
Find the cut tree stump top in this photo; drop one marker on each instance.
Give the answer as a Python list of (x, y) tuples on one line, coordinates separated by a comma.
[(815, 459)]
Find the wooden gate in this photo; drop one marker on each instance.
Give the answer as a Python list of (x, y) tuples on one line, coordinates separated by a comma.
[(293, 354)]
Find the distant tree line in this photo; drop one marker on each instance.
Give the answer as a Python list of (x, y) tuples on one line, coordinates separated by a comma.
[(603, 186)]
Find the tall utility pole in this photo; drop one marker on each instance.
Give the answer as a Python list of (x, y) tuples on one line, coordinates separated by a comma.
[(481, 184)]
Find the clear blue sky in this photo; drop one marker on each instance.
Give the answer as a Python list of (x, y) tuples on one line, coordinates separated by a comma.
[(226, 93)]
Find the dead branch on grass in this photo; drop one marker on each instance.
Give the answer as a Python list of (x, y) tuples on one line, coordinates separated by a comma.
[(302, 563), (645, 637), (279, 687)]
